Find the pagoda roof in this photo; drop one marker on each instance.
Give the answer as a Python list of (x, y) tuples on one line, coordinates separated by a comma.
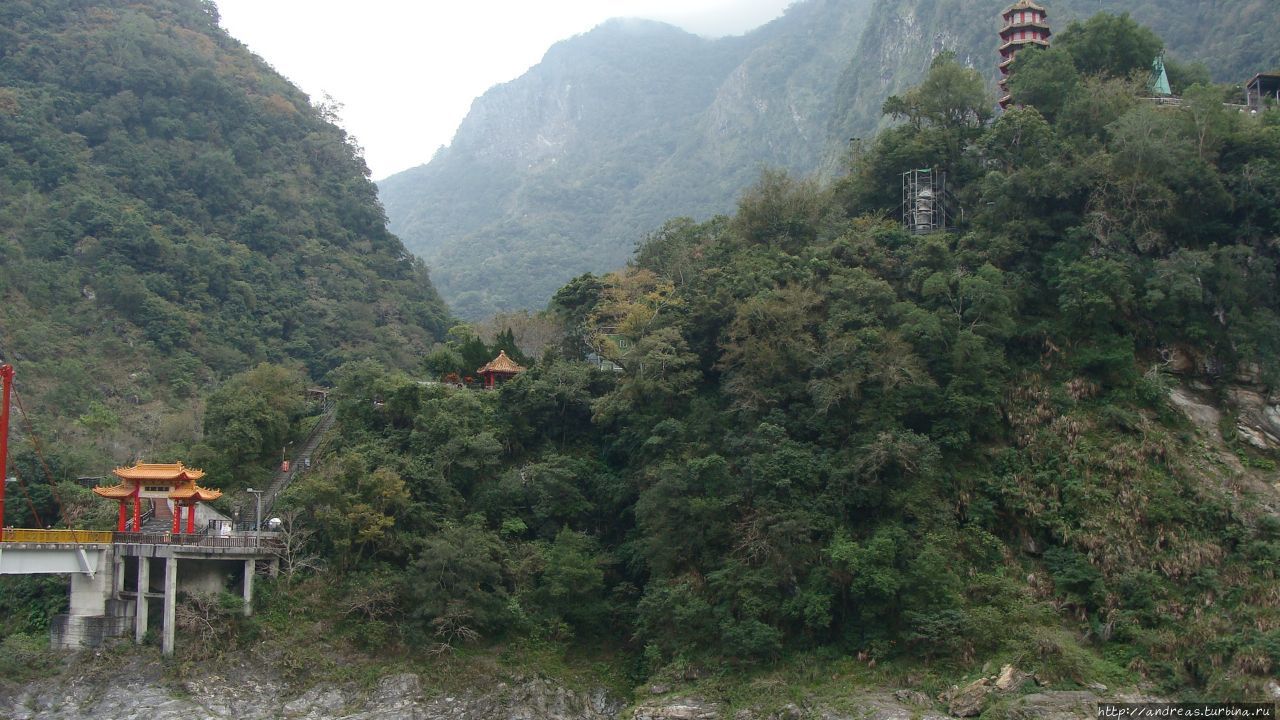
[(159, 472), (1024, 5), (501, 364), (1015, 26), (1013, 45)]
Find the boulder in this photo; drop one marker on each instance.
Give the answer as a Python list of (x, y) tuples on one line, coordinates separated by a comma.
[(1060, 705), (912, 697), (1257, 418), (1181, 362), (970, 700), (1011, 679), (397, 690), (1203, 415), (322, 701), (678, 709)]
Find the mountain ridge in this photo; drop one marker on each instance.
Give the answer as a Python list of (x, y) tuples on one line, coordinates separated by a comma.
[(582, 205), (173, 211), (504, 236)]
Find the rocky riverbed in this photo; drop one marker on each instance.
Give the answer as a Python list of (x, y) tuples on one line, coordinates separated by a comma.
[(137, 690)]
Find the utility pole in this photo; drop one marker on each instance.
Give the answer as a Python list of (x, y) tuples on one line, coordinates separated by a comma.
[(257, 517), (6, 378)]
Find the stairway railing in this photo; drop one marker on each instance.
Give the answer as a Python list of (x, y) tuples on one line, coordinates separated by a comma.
[(146, 515), (301, 461)]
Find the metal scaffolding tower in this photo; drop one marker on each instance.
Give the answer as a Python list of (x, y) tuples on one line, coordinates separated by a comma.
[(924, 201)]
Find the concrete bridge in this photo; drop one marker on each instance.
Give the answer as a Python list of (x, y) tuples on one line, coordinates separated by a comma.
[(115, 576)]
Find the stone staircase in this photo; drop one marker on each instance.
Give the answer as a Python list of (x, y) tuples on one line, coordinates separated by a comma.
[(160, 520), (300, 463)]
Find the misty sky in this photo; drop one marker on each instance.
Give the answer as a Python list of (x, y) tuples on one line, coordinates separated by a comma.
[(407, 71)]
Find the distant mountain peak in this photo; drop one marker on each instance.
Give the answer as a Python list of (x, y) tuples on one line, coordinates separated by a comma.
[(564, 169)]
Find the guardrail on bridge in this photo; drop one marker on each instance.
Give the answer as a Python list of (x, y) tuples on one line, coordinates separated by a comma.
[(90, 537), (264, 540)]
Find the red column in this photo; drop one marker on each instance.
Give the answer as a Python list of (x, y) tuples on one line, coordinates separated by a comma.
[(177, 518), (120, 523), (191, 518), (137, 511), (6, 385)]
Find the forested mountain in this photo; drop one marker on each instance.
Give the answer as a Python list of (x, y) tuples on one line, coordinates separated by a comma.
[(172, 211), (794, 451), (564, 169), (1046, 437)]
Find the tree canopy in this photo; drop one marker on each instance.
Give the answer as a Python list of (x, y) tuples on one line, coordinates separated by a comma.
[(817, 431), (174, 212)]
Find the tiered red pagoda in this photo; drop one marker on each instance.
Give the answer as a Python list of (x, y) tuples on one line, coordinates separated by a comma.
[(1025, 24), (163, 482), (500, 369)]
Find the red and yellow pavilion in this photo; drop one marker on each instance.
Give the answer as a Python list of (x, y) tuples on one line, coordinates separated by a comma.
[(500, 369), (1026, 24), (162, 482)]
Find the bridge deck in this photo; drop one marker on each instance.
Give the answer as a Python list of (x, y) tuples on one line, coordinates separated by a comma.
[(51, 558)]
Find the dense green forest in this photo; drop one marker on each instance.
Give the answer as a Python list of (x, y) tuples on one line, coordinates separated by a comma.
[(172, 212), (563, 170), (829, 437), (795, 434)]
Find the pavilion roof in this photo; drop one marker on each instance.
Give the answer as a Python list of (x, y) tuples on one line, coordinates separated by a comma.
[(1265, 78), (195, 492), (190, 491), (115, 492), (172, 473), (181, 478), (501, 364)]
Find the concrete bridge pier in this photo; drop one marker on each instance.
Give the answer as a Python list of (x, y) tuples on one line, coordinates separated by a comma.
[(95, 611), (170, 603), (102, 603), (250, 569), (190, 569), (144, 586)]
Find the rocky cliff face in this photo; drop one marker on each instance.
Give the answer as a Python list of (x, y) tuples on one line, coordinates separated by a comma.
[(562, 170)]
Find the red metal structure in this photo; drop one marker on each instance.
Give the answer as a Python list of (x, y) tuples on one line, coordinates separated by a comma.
[(6, 377)]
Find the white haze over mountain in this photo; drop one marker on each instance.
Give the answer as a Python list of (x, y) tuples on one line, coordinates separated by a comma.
[(406, 72)]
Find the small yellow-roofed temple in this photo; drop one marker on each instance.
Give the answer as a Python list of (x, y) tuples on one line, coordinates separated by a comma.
[(500, 369), (163, 482)]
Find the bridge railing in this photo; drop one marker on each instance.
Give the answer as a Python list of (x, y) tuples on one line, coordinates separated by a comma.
[(57, 536), (265, 540)]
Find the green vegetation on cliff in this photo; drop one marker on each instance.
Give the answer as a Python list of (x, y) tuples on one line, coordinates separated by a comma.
[(827, 441), (830, 437), (563, 170)]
